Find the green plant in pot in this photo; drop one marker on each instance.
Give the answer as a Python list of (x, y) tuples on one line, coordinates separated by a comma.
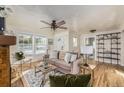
[(19, 55)]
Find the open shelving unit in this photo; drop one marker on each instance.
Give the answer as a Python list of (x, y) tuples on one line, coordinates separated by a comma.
[(109, 47)]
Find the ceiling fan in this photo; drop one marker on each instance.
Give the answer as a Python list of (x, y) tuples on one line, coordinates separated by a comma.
[(54, 25)]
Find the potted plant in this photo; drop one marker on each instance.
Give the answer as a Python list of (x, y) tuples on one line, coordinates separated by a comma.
[(19, 55)]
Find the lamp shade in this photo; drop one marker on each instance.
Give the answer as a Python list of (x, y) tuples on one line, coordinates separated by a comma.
[(87, 50)]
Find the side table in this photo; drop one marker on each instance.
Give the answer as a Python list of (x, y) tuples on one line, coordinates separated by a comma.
[(89, 68)]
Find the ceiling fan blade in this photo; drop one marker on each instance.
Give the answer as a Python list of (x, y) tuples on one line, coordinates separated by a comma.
[(62, 27), (45, 22), (60, 23), (45, 27)]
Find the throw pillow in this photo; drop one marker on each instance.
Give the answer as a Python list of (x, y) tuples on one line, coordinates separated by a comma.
[(67, 57), (54, 54), (73, 57), (70, 80)]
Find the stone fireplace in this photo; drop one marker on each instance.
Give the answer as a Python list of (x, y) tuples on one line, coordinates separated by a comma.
[(5, 69)]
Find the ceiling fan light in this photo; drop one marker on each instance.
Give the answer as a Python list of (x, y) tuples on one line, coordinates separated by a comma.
[(3, 12)]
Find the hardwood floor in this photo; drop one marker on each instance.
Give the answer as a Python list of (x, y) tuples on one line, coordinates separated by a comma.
[(16, 73), (105, 75), (17, 83), (108, 75)]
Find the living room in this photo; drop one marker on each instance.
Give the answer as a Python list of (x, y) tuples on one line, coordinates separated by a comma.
[(38, 41)]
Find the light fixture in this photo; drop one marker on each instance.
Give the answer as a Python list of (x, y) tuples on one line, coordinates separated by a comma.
[(3, 12), (93, 30)]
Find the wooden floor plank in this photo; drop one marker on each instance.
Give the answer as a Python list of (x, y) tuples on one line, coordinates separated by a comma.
[(105, 75)]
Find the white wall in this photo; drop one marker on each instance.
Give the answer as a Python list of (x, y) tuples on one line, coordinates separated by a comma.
[(73, 34), (23, 20), (68, 40), (65, 36)]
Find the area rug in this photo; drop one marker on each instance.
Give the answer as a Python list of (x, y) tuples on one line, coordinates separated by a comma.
[(35, 80)]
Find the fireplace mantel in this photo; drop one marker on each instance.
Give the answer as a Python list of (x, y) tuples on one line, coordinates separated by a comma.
[(7, 40)]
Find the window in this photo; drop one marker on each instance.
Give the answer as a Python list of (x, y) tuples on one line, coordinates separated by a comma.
[(40, 44), (75, 42), (32, 44), (89, 41), (25, 43)]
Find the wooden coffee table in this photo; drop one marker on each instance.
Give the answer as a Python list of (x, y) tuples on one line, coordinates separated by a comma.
[(45, 71)]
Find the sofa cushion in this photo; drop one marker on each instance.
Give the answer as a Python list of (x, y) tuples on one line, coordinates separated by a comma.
[(54, 59), (61, 55), (70, 80), (73, 57), (63, 64), (54, 54), (67, 57), (60, 63)]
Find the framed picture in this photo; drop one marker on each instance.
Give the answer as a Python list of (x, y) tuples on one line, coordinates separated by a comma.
[(60, 43), (50, 41)]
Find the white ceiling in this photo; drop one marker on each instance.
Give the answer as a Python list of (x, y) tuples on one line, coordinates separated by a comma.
[(80, 18)]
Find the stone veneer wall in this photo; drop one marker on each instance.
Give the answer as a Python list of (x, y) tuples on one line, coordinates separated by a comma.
[(4, 67)]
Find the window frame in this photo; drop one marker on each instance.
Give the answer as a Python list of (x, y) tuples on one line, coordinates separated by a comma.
[(75, 42), (33, 42)]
